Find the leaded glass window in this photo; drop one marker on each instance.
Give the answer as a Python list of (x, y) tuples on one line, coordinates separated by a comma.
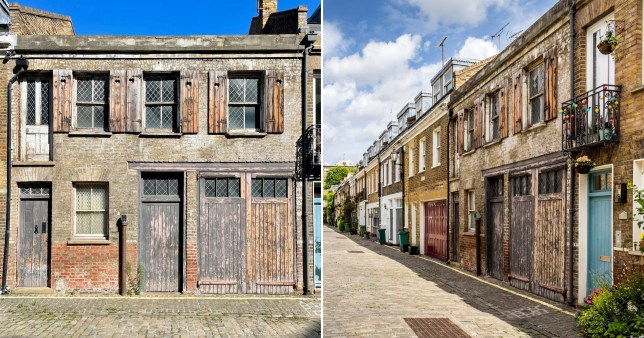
[(550, 182), (243, 103), (160, 102), (160, 186), (91, 102), (222, 187), (535, 89), (91, 210), (269, 187), (38, 102), (494, 116)]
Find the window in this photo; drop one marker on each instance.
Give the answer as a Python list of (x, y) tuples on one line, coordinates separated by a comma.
[(421, 155), (469, 129), (535, 92), (436, 152), (397, 169), (447, 82), (157, 185), (493, 116), (36, 105), (160, 103), (411, 162), (456, 150), (495, 187), (391, 169), (437, 90), (269, 187), (91, 210), (91, 101), (222, 187), (317, 104), (521, 185), (471, 211), (550, 182), (243, 103)]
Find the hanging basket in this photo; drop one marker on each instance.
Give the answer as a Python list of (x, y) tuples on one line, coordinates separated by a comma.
[(605, 47), (583, 169)]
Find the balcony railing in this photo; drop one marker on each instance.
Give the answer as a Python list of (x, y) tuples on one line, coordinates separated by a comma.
[(309, 149), (591, 119)]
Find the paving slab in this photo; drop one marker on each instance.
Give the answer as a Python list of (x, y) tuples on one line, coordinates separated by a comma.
[(370, 289)]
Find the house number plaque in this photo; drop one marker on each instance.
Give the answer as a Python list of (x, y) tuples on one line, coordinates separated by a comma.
[(604, 258)]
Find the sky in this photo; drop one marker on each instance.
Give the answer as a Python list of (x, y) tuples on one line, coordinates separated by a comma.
[(161, 17), (378, 54)]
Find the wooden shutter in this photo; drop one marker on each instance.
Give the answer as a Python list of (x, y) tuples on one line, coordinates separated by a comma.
[(503, 111), (118, 100), (189, 102), (274, 101), (550, 85), (133, 107), (517, 103), (63, 87), (459, 131), (217, 102), (477, 124)]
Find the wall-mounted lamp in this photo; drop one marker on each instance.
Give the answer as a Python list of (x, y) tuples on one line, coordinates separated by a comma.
[(620, 193)]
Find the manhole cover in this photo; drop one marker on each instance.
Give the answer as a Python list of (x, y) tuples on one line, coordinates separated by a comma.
[(355, 251), (435, 327)]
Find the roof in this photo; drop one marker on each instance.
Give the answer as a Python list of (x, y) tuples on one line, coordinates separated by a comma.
[(316, 17)]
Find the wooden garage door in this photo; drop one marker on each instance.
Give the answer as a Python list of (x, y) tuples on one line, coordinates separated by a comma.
[(222, 236), (436, 229), (160, 244), (246, 237), (495, 228), (521, 232)]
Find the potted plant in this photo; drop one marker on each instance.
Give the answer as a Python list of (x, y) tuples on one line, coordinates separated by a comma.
[(583, 164), (608, 43)]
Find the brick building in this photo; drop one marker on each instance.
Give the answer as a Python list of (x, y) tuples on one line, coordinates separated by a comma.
[(512, 171), (607, 127), (192, 150)]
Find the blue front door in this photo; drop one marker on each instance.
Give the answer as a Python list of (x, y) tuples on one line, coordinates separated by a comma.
[(600, 263), (317, 235)]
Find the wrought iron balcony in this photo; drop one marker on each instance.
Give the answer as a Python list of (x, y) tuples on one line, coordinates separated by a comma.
[(309, 153), (591, 119)]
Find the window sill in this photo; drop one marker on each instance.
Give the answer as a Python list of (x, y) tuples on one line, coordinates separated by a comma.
[(629, 251), (536, 126), (436, 166), (241, 133), (469, 152), (491, 143), (637, 89), (89, 133), (89, 242), (33, 164), (471, 233), (160, 134), (452, 179)]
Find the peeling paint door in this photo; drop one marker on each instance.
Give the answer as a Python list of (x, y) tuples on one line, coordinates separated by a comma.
[(36, 106), (521, 232), (221, 236), (160, 233), (436, 229), (495, 228), (33, 246)]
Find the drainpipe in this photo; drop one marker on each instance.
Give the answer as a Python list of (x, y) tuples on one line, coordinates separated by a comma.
[(21, 65), (449, 116), (571, 24)]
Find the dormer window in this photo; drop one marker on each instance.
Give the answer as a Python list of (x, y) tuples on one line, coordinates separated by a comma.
[(447, 82), (437, 90)]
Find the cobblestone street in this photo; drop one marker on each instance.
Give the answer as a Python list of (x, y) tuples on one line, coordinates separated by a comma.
[(161, 316), (370, 289)]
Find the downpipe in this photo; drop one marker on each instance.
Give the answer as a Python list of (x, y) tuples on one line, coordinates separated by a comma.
[(21, 65), (571, 23)]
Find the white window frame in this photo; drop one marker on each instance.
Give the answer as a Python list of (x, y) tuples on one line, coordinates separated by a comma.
[(468, 126), (471, 210), (422, 155), (437, 93), (391, 168), (447, 82), (456, 156), (489, 135), (529, 96), (397, 170), (411, 162), (436, 151), (92, 185), (38, 104)]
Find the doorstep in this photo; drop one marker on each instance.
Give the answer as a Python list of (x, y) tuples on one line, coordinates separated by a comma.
[(33, 290)]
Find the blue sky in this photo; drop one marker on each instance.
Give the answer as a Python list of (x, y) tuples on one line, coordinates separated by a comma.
[(146, 17), (378, 54)]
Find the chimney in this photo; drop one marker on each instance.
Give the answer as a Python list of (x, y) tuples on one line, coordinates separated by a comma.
[(265, 9)]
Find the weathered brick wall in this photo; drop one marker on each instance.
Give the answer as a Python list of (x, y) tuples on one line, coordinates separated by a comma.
[(528, 144), (31, 21), (100, 159)]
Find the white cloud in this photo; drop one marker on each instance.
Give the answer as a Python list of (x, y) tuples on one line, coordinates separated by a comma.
[(335, 43), (459, 12), (478, 49), (365, 90)]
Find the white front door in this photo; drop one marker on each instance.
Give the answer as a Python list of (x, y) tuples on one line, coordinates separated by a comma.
[(35, 108)]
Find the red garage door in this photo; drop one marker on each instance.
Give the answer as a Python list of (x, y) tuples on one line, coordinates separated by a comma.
[(436, 229)]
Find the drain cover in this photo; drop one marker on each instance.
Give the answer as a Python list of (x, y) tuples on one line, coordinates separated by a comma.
[(435, 327), (355, 251)]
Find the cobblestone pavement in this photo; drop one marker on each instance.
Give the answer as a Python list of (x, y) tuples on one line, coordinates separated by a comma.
[(160, 316), (370, 289)]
